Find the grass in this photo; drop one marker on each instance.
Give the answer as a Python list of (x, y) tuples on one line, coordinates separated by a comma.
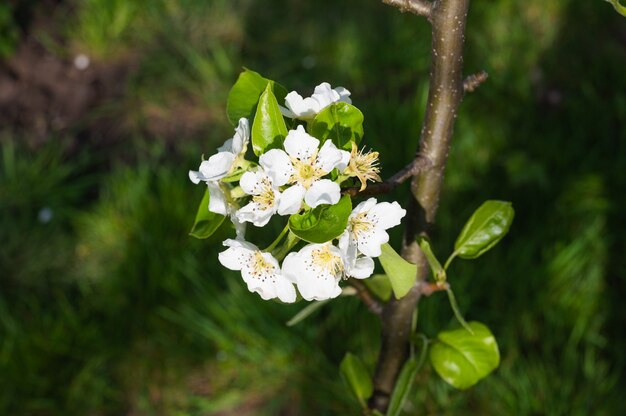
[(108, 307)]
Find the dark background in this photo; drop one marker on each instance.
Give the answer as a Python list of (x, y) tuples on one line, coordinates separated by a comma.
[(108, 307)]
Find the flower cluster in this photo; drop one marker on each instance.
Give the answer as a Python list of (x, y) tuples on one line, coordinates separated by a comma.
[(302, 176)]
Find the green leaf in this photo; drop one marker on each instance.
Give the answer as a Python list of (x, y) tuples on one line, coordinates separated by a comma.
[(269, 129), (356, 376), (618, 7), (306, 311), (462, 359), (380, 286), (403, 387), (438, 272), (340, 122), (487, 225), (322, 223), (401, 273), (244, 95), (206, 222)]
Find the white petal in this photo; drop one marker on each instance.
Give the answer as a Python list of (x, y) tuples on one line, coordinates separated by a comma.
[(363, 267), (253, 213), (217, 166), (364, 206), (369, 243), (195, 177), (318, 286), (237, 254), (240, 226), (344, 95), (226, 147), (286, 112), (324, 96), (291, 200), (323, 191), (285, 290), (300, 144), (386, 215), (277, 165), (249, 182), (329, 157), (217, 199), (345, 160), (291, 265), (304, 108), (241, 137)]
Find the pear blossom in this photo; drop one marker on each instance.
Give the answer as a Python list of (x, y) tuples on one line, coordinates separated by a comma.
[(356, 265), (259, 270), (225, 160), (303, 165), (265, 198), (308, 108), (219, 204), (316, 269), (367, 226)]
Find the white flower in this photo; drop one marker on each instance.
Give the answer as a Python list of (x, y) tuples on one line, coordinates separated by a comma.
[(308, 108), (303, 165), (259, 270), (367, 226), (221, 163), (316, 269), (357, 266), (265, 198)]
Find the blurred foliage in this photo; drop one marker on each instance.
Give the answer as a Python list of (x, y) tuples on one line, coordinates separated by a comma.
[(108, 307)]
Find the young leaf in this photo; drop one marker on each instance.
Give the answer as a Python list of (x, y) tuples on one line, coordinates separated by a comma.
[(462, 359), (356, 376), (322, 223), (206, 222), (269, 129), (403, 387), (244, 95), (438, 272), (402, 274), (340, 122), (487, 225), (379, 285)]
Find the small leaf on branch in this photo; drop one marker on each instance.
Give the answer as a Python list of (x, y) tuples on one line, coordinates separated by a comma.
[(340, 122), (401, 273), (206, 222), (323, 223), (244, 95), (618, 7), (403, 387), (438, 272), (269, 129), (462, 359), (485, 228), (356, 376)]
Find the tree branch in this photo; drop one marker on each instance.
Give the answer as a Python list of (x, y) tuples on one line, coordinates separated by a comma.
[(448, 19), (366, 297), (417, 165), (418, 7)]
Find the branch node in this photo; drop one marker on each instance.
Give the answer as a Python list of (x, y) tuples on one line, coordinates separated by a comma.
[(473, 81), (418, 7)]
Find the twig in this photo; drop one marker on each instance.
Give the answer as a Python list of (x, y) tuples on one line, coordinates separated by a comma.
[(428, 288), (473, 81), (366, 297), (418, 165), (418, 7)]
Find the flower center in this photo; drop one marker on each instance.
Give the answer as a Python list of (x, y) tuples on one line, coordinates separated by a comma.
[(326, 260), (364, 166), (265, 198), (305, 171), (261, 268), (360, 223)]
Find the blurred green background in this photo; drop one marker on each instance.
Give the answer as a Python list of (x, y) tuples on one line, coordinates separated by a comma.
[(108, 307)]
